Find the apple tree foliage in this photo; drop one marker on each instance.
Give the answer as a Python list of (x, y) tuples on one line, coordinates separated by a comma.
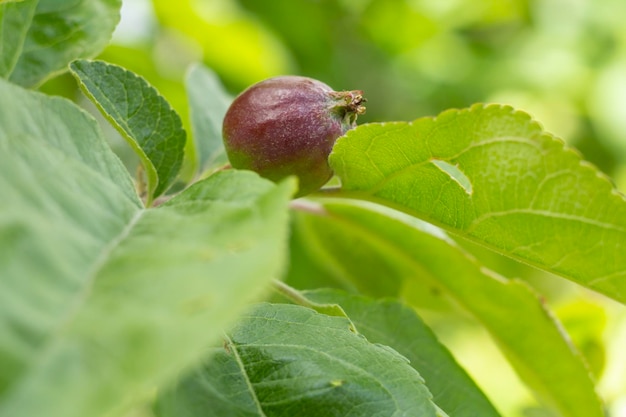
[(119, 290)]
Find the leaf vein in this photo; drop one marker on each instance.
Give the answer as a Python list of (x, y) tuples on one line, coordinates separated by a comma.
[(546, 213), (233, 348)]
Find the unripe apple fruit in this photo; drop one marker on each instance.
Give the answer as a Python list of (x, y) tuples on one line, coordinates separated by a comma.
[(288, 125)]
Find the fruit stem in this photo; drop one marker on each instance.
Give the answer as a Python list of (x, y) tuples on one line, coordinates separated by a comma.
[(348, 105)]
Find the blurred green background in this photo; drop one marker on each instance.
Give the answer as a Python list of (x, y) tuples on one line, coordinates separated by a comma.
[(562, 61)]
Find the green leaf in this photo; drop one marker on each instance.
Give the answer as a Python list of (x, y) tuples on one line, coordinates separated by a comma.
[(514, 315), (326, 253), (491, 174), (15, 19), (102, 300), (40, 37), (208, 102), (393, 324), (297, 297), (143, 117), (285, 359)]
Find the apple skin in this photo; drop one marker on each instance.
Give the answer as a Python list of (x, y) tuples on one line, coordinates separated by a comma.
[(287, 126)]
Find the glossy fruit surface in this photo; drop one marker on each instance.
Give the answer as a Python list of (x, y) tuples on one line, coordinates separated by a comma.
[(288, 125)]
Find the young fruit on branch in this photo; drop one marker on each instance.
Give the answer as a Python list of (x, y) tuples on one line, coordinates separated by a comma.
[(287, 126)]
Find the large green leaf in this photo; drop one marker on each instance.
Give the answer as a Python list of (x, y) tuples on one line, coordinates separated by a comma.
[(40, 37), (285, 359), (208, 102), (491, 174), (513, 314), (102, 300), (393, 324), (143, 117)]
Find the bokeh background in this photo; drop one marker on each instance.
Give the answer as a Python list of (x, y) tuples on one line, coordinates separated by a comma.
[(562, 61)]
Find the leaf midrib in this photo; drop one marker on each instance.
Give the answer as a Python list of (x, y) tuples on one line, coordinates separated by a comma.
[(241, 365), (547, 214), (346, 364)]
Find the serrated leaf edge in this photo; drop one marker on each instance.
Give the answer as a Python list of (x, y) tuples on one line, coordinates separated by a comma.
[(123, 128)]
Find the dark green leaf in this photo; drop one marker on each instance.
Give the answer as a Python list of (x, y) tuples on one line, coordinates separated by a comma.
[(391, 323), (289, 360), (147, 121)]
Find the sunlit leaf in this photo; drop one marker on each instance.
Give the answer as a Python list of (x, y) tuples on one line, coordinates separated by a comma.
[(531, 198)]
